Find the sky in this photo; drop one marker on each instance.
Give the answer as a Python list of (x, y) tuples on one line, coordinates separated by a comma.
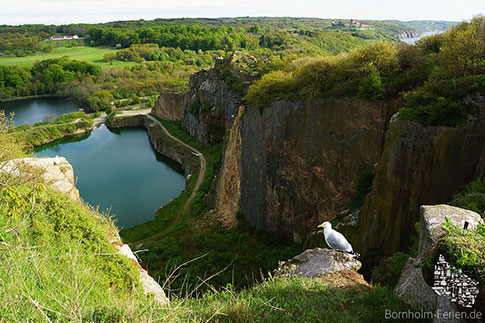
[(15, 12)]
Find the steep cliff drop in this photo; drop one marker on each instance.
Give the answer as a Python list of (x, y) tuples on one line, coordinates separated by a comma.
[(299, 160), (215, 97), (419, 165)]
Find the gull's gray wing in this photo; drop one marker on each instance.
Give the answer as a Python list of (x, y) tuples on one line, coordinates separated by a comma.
[(337, 241)]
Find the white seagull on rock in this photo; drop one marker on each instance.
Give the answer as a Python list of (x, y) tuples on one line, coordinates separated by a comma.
[(336, 240)]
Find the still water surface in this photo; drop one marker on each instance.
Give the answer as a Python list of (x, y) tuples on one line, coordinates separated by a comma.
[(31, 111), (117, 170)]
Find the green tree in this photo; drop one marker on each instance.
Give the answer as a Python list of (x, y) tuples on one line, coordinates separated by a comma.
[(100, 100), (463, 50), (370, 87)]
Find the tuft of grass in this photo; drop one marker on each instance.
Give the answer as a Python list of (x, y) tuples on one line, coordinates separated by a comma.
[(466, 248)]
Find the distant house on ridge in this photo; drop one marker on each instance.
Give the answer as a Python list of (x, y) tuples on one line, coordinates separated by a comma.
[(64, 37)]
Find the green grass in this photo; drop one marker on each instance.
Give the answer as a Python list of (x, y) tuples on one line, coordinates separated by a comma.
[(291, 300), (57, 261), (81, 53), (466, 249)]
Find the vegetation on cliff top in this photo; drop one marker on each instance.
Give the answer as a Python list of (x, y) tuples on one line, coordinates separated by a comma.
[(440, 77)]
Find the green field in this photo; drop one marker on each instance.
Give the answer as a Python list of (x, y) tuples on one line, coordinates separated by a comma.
[(81, 53)]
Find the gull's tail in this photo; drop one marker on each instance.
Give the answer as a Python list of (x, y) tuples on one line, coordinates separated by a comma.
[(353, 254)]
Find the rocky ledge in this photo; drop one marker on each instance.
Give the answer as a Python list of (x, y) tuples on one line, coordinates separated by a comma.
[(56, 172), (413, 286), (328, 266)]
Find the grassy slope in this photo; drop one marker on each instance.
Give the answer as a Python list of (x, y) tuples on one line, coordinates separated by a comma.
[(81, 53), (57, 262)]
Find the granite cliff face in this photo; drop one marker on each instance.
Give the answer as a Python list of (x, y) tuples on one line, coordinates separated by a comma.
[(292, 165), (419, 165), (213, 103), (171, 106), (298, 162)]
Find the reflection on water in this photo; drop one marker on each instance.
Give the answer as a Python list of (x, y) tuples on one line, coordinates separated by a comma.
[(31, 111)]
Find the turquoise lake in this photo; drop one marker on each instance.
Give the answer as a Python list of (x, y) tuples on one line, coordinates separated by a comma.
[(119, 171), (31, 111)]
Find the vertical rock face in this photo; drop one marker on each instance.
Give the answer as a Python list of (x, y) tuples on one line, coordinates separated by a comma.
[(171, 106), (213, 104), (419, 165), (229, 186), (299, 161)]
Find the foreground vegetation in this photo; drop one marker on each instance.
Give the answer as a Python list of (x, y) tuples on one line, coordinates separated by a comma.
[(57, 261), (59, 265)]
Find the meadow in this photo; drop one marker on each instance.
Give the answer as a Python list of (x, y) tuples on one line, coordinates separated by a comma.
[(81, 53)]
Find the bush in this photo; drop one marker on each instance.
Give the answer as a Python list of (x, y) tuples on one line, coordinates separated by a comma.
[(471, 197), (465, 249), (389, 270), (100, 100)]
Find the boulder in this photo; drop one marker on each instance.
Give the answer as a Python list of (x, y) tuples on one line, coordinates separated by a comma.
[(412, 287), (55, 172), (319, 261), (434, 216)]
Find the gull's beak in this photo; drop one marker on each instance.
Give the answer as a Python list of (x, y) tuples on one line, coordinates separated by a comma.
[(320, 226)]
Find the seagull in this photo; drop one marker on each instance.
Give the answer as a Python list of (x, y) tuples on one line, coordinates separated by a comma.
[(57, 161), (336, 240)]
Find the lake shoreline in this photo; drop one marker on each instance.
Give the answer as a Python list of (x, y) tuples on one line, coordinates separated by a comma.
[(30, 97)]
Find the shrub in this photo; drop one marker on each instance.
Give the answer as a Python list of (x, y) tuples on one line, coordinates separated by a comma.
[(100, 100), (389, 270), (471, 197)]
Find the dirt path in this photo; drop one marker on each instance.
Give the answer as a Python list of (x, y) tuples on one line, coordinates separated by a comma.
[(197, 153), (99, 120)]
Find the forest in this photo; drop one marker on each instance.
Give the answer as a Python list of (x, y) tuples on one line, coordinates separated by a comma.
[(165, 52), (436, 77)]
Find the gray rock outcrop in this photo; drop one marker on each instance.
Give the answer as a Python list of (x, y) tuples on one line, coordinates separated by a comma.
[(57, 173), (171, 106), (412, 286), (317, 262)]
